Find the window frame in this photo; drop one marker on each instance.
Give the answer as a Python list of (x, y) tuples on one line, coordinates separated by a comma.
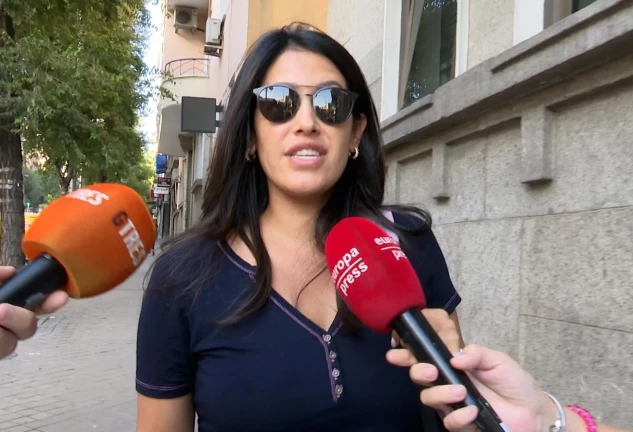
[(395, 43), (199, 156), (531, 17)]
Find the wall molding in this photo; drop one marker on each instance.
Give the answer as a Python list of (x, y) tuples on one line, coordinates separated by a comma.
[(439, 176), (536, 142), (534, 116)]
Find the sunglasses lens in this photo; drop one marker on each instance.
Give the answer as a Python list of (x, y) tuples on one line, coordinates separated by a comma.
[(277, 103), (333, 105)]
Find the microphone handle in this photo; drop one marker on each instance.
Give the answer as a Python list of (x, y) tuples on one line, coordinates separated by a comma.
[(425, 344), (34, 281)]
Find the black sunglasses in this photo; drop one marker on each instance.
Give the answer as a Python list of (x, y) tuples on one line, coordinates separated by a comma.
[(279, 103)]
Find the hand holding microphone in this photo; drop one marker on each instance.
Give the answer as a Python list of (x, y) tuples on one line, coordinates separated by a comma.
[(511, 390), (513, 393), (379, 285), (17, 323), (83, 244)]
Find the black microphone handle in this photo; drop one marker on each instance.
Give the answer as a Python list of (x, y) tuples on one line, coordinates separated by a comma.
[(32, 282), (425, 344)]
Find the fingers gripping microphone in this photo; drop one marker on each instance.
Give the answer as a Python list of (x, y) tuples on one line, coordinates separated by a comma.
[(379, 285), (86, 243)]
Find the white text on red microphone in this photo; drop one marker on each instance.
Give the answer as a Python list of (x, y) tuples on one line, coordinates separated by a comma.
[(389, 244), (352, 267)]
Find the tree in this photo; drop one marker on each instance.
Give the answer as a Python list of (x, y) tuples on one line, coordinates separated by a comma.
[(33, 190), (73, 93), (141, 177), (41, 186), (11, 198)]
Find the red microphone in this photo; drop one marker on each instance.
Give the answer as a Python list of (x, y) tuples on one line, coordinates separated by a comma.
[(86, 242), (379, 285)]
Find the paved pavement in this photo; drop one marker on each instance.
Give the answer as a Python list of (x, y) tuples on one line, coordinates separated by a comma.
[(77, 373)]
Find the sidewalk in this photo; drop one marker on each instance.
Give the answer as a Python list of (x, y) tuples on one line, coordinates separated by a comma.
[(77, 374)]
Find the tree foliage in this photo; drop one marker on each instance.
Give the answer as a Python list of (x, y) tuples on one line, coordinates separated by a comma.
[(141, 176), (41, 186), (78, 84)]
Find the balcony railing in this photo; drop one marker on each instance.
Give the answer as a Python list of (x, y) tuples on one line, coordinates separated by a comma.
[(187, 67)]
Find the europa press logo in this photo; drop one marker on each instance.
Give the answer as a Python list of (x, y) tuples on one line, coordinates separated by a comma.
[(389, 244), (348, 269)]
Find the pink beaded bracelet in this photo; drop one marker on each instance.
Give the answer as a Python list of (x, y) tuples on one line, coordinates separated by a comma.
[(592, 426)]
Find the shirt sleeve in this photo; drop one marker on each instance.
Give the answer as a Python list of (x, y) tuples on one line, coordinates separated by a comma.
[(165, 366), (440, 291), (426, 256)]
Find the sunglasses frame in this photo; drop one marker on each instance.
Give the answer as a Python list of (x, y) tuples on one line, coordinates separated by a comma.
[(351, 94)]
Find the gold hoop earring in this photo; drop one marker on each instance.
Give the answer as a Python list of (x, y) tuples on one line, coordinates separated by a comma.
[(355, 154), (250, 157)]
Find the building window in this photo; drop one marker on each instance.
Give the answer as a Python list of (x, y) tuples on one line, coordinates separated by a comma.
[(429, 47), (425, 45), (580, 4), (199, 156), (556, 10)]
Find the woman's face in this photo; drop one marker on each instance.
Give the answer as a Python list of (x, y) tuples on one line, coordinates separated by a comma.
[(304, 156)]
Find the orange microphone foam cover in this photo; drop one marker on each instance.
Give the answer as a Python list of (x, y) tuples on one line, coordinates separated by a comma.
[(100, 234)]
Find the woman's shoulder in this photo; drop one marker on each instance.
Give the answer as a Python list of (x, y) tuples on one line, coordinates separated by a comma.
[(426, 256), (180, 259), (408, 218), (413, 227), (196, 278), (196, 265)]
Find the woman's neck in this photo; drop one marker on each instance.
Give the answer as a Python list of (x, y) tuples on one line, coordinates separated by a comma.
[(290, 217)]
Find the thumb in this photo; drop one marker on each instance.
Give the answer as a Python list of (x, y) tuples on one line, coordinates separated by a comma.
[(19, 321), (5, 272), (477, 357)]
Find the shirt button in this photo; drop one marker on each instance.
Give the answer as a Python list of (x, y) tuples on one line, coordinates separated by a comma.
[(327, 337), (332, 355), (336, 373), (338, 390)]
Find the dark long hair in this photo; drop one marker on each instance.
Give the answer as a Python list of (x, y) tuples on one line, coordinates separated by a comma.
[(236, 191)]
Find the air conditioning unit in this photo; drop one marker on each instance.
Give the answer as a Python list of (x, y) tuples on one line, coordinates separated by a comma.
[(213, 35), (185, 18)]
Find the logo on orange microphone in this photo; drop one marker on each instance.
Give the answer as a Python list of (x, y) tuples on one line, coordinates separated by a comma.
[(131, 237), (90, 196), (353, 267)]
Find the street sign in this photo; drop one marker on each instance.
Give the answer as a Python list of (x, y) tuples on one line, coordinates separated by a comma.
[(161, 190), (162, 185)]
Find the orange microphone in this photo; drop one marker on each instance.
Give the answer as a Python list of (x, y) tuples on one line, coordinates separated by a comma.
[(86, 243)]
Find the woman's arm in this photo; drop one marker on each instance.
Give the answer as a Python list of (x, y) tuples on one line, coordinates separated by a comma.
[(165, 365), (165, 415)]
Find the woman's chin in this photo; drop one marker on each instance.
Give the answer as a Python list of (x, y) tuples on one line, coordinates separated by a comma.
[(316, 192)]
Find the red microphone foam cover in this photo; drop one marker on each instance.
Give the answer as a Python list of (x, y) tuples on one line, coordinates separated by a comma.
[(100, 234), (372, 273)]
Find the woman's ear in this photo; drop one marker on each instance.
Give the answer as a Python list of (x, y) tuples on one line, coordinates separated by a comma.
[(252, 145), (357, 131)]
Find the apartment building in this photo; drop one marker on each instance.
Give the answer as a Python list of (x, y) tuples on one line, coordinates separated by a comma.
[(203, 44), (511, 122)]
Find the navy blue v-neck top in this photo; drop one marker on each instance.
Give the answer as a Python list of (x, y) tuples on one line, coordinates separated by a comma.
[(276, 370)]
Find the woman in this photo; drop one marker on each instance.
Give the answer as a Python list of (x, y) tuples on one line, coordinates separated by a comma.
[(240, 322), (512, 392)]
